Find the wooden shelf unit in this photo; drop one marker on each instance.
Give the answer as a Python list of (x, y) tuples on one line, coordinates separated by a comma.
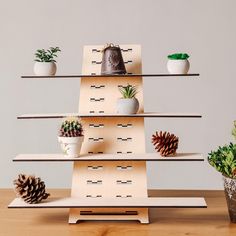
[(113, 154)]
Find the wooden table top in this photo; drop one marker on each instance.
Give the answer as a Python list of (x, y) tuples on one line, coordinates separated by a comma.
[(209, 221)]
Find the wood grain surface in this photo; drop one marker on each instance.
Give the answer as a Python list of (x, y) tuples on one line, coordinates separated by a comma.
[(99, 96), (209, 221)]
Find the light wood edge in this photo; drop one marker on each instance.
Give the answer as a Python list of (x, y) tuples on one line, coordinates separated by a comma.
[(200, 203), (144, 115), (107, 76), (117, 157)]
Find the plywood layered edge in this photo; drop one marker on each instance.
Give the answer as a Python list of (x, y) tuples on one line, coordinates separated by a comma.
[(146, 114), (152, 202), (108, 76), (110, 157)]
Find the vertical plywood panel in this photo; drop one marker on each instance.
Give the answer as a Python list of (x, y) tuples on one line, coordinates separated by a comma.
[(113, 179)]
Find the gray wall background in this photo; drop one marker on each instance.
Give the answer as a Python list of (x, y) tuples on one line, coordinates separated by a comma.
[(204, 29)]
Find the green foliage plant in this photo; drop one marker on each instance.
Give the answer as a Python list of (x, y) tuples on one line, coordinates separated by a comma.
[(224, 160), (48, 55), (128, 91)]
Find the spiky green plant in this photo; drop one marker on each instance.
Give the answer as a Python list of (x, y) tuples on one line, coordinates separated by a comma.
[(71, 127), (128, 91), (178, 56), (224, 160), (48, 55), (234, 130)]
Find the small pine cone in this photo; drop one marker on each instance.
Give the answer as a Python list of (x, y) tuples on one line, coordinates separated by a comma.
[(165, 143), (30, 188)]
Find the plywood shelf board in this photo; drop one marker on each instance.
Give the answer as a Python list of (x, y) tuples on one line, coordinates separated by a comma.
[(109, 76), (110, 157), (152, 202), (147, 115)]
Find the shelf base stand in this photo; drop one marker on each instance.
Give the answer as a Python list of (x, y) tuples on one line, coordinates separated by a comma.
[(77, 215)]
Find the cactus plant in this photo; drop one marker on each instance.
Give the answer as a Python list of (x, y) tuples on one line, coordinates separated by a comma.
[(71, 127), (128, 91)]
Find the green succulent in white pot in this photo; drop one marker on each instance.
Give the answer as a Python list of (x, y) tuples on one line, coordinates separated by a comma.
[(178, 63), (128, 103), (45, 63), (224, 161), (71, 136)]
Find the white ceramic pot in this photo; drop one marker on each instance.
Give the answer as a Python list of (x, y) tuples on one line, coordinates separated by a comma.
[(45, 68), (127, 105), (178, 66), (71, 146)]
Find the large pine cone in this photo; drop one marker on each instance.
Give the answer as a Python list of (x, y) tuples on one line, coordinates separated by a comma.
[(30, 188), (165, 143)]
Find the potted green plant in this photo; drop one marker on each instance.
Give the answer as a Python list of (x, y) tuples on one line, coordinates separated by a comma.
[(45, 63), (128, 104), (71, 136), (224, 161), (178, 63)]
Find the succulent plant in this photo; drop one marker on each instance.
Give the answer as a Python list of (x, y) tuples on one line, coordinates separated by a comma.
[(71, 127), (128, 91), (178, 56), (48, 55), (224, 160)]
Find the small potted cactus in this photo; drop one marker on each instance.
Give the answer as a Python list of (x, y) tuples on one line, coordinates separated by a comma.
[(45, 63), (71, 137), (224, 161), (178, 63), (128, 104)]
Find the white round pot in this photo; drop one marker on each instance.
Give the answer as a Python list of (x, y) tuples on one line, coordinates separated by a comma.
[(127, 105), (71, 146), (178, 66), (45, 68)]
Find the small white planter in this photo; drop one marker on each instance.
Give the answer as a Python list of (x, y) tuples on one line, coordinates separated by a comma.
[(178, 66), (71, 146), (45, 68), (127, 105)]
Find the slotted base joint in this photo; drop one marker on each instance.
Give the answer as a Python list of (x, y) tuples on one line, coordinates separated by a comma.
[(77, 215)]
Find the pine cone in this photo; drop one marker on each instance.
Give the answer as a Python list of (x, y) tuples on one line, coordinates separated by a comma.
[(30, 189), (165, 143)]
